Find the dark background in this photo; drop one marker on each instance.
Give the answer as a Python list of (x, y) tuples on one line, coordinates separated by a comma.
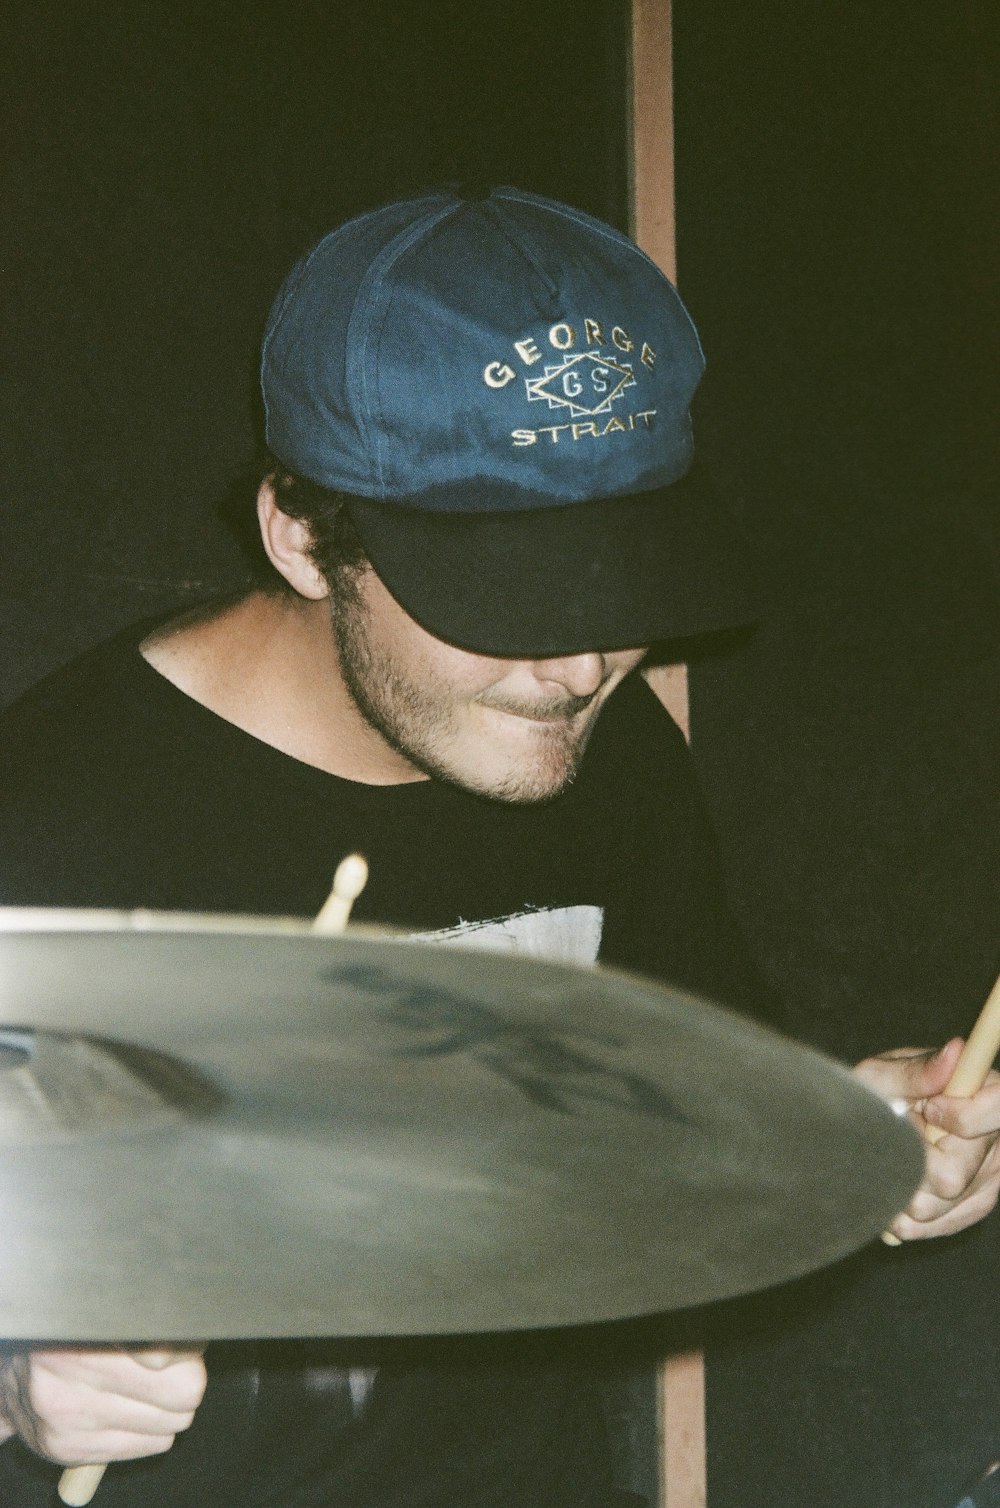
[(163, 165)]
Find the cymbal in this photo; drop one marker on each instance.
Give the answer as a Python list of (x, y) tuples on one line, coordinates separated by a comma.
[(230, 1127)]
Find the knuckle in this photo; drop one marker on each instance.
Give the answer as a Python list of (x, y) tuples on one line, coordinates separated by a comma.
[(952, 1183), (953, 1171), (51, 1403), (186, 1400), (57, 1445), (189, 1388), (922, 1208)]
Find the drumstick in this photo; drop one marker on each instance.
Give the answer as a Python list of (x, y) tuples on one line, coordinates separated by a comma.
[(974, 1063), (977, 1056), (78, 1484), (348, 882)]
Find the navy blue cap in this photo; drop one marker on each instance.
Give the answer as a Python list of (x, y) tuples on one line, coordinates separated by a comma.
[(501, 386)]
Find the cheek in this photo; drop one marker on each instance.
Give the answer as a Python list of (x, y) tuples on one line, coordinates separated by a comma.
[(464, 675)]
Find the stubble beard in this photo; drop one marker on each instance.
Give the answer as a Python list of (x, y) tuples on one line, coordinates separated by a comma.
[(421, 725)]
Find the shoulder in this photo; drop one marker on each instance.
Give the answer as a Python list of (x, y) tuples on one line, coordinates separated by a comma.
[(75, 697), (76, 752), (97, 717)]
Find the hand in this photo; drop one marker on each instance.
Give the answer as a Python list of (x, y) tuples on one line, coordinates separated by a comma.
[(962, 1177), (77, 1406)]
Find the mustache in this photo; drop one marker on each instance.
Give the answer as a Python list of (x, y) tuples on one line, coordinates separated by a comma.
[(549, 709)]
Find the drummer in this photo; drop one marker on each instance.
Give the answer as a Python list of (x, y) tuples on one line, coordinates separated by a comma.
[(477, 511)]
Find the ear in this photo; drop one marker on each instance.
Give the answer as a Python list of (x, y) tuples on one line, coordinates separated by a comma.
[(287, 542)]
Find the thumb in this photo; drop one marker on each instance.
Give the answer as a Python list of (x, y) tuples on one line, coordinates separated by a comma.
[(911, 1075), (156, 1360), (938, 1069)]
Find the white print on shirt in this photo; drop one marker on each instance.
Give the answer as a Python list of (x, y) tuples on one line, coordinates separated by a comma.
[(561, 934)]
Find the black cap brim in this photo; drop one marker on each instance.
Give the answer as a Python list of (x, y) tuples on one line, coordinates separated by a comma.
[(618, 573)]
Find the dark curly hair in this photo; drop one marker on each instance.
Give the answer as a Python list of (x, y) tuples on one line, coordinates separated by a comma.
[(335, 546)]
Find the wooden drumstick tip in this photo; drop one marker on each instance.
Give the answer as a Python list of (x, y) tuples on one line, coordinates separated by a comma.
[(349, 880), (78, 1484)]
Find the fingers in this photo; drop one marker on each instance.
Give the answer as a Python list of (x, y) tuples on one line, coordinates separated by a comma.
[(978, 1115), (926, 1218), (911, 1074), (74, 1405), (962, 1176), (961, 1181)]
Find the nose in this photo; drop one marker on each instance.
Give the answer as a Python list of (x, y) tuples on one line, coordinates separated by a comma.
[(580, 675)]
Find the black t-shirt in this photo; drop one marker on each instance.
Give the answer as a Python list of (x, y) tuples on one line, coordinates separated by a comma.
[(118, 790)]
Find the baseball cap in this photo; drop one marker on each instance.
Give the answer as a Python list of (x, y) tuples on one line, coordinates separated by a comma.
[(500, 386)]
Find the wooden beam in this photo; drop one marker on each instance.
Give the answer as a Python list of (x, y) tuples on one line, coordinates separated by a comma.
[(683, 1475), (651, 202), (651, 133), (683, 1478)]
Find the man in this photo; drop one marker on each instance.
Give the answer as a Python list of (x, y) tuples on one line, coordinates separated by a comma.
[(478, 513)]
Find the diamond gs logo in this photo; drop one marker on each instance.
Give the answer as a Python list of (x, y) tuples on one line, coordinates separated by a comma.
[(582, 385), (585, 384)]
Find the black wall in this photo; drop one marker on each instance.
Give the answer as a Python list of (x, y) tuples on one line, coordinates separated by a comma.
[(163, 164), (837, 215)]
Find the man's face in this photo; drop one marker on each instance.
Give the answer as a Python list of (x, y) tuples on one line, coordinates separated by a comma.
[(511, 729)]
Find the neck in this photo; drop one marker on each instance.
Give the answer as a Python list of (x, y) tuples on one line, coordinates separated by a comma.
[(268, 663)]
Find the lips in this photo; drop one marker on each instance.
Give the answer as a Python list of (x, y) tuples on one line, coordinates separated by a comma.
[(541, 712), (535, 715)]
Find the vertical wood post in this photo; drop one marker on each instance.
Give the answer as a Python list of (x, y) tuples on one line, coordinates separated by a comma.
[(681, 1390), (651, 201), (681, 1393), (651, 134)]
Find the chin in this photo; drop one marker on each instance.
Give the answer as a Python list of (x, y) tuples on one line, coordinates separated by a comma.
[(538, 769), (520, 782), (532, 763)]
